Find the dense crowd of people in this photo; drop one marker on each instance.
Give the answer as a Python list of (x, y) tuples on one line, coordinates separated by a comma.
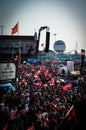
[(42, 98)]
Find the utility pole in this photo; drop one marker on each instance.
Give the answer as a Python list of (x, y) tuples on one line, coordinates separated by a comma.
[(20, 52), (2, 26)]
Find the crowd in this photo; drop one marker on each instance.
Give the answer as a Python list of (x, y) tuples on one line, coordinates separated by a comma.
[(41, 99)]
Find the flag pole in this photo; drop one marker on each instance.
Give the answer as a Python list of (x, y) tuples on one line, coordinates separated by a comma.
[(19, 46), (18, 28)]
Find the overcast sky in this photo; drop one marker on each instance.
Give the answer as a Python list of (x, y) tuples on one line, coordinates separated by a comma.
[(66, 18)]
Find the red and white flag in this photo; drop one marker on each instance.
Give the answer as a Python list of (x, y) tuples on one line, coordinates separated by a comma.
[(66, 86), (42, 44), (14, 29)]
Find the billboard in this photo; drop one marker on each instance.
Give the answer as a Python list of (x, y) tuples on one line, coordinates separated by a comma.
[(42, 40), (7, 72)]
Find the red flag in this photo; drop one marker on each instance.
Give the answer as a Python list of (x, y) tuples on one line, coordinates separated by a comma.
[(42, 44), (24, 81), (5, 127), (72, 117), (52, 81), (46, 72), (14, 29), (39, 83), (66, 86), (50, 75), (31, 128)]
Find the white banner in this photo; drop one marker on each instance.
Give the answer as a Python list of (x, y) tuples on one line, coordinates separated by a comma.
[(70, 65), (7, 71)]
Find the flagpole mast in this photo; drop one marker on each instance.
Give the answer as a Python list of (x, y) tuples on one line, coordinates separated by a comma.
[(18, 28), (2, 26), (19, 52), (19, 46)]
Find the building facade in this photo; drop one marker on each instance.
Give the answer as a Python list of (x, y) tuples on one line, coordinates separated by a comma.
[(21, 47)]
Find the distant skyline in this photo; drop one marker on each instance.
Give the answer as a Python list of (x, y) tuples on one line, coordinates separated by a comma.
[(65, 18)]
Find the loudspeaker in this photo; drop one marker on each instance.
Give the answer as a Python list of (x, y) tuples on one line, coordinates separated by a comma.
[(82, 59), (47, 41)]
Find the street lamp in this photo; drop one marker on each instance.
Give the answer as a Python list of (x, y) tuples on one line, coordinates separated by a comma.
[(55, 36), (2, 26)]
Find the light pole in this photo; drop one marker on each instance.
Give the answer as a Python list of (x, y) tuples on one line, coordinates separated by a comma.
[(19, 52), (55, 36), (2, 26)]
